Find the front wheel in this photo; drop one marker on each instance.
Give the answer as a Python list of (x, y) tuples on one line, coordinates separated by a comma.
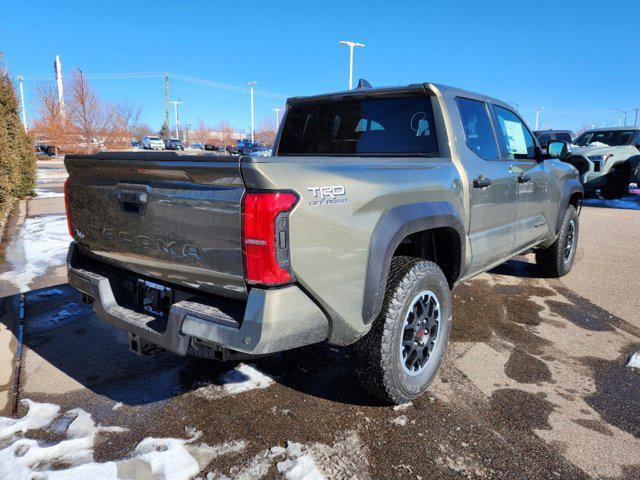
[(617, 184), (400, 356), (557, 259)]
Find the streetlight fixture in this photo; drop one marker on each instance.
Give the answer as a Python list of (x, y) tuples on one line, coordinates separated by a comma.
[(251, 85), (175, 109), (351, 46), (23, 112)]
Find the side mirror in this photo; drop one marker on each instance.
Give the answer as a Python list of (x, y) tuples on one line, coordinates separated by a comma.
[(558, 149)]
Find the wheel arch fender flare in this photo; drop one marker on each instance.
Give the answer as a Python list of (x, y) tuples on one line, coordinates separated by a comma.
[(569, 188), (392, 227)]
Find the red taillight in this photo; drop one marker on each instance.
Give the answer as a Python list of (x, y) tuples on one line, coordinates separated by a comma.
[(66, 206), (265, 237)]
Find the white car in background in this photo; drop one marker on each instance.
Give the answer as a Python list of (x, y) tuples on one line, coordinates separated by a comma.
[(152, 143)]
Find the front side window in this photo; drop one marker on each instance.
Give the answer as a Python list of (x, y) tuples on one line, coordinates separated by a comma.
[(513, 135), (401, 125), (477, 128)]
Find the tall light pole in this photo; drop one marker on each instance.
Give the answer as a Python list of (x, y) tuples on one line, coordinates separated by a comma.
[(635, 119), (251, 85), (175, 109), (57, 67), (22, 110), (277, 110), (538, 110), (351, 45)]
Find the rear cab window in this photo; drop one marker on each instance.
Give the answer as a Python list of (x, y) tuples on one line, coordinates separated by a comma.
[(478, 131), (400, 125), (564, 137)]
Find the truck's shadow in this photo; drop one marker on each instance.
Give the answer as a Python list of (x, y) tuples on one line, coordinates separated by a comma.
[(70, 346)]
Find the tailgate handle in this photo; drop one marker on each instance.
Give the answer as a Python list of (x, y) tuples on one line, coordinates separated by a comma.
[(132, 200)]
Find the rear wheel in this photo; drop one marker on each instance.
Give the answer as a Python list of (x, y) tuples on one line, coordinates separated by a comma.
[(400, 356), (617, 185), (557, 259)]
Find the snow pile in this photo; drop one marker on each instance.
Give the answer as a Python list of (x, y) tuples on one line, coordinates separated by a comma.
[(346, 458), (628, 203), (49, 292), (41, 244), (402, 406), (299, 466), (41, 193), (634, 361), (166, 458), (241, 379), (400, 421)]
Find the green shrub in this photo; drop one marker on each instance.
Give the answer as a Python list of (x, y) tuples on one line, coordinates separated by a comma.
[(17, 152)]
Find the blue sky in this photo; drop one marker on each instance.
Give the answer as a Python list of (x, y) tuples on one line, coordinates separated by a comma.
[(579, 60)]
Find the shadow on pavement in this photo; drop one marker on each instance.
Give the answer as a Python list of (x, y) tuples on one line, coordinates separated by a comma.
[(69, 348)]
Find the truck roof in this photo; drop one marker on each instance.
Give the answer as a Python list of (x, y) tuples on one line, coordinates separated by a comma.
[(413, 87), (613, 129)]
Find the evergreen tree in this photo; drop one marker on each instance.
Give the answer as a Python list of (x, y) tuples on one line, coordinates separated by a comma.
[(164, 131), (17, 153)]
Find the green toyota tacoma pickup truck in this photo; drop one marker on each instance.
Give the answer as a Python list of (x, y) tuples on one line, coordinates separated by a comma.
[(375, 204)]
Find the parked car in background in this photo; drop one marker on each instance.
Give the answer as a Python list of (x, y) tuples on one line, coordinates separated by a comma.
[(608, 159), (376, 204), (260, 152), (545, 136), (173, 144), (210, 147), (136, 144), (196, 146), (152, 143)]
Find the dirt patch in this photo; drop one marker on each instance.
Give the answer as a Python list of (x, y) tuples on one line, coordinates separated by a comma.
[(520, 410), (616, 398), (525, 368), (480, 311)]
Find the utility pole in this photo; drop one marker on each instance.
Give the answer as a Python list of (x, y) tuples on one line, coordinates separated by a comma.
[(175, 108), (277, 110), (538, 110), (166, 100), (251, 85), (351, 45), (22, 110), (635, 120), (57, 68)]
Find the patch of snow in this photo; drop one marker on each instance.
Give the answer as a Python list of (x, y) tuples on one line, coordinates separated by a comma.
[(401, 420), (26, 459), (243, 378), (41, 193), (117, 406), (403, 406), (628, 203), (41, 244), (50, 292), (634, 361), (39, 415)]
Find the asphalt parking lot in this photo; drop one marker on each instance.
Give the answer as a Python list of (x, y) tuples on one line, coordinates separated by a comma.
[(535, 384)]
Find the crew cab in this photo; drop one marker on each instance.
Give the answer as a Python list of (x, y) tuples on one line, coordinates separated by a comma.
[(375, 204)]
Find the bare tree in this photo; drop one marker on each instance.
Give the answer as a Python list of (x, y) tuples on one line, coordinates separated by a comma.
[(224, 133), (50, 125), (93, 120), (202, 132), (140, 130), (266, 133)]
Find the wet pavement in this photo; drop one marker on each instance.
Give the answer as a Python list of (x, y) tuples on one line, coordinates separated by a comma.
[(534, 386)]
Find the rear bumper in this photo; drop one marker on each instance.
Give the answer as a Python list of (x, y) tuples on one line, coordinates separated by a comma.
[(273, 320)]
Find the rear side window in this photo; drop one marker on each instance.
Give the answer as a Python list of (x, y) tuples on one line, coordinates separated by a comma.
[(477, 128), (564, 137), (373, 126), (514, 135)]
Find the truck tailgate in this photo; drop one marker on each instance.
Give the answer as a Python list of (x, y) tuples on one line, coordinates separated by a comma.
[(164, 215)]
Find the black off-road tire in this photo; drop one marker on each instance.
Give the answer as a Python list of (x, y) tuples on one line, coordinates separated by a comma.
[(379, 355), (617, 185), (553, 260)]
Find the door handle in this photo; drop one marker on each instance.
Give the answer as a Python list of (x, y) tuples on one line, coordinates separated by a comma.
[(481, 182), (524, 178)]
